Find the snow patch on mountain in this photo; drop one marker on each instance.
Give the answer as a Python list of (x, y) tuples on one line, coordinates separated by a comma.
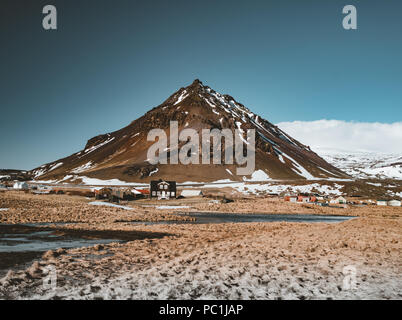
[(83, 168), (365, 165), (299, 169), (92, 149), (55, 166), (183, 96)]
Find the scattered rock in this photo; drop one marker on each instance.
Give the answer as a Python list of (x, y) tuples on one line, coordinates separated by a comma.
[(34, 270), (99, 247), (48, 255)]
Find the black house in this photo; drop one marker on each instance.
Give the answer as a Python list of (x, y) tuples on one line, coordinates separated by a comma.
[(163, 189)]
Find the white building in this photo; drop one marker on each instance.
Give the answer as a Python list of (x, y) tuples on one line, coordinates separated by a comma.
[(338, 200), (381, 202), (191, 193), (20, 185), (394, 203), (293, 199)]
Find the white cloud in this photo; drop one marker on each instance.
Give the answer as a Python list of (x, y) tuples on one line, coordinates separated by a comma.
[(336, 135)]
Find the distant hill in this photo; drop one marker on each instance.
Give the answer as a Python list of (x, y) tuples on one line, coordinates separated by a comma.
[(366, 165), (11, 175)]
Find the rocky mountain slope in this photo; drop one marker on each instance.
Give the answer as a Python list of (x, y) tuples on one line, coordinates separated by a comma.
[(122, 154)]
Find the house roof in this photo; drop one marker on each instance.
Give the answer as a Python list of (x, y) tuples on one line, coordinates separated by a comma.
[(163, 182), (143, 191)]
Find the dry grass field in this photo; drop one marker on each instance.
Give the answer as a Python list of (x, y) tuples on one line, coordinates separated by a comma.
[(276, 260)]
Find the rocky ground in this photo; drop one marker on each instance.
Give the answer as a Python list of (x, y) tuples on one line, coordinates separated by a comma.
[(218, 261)]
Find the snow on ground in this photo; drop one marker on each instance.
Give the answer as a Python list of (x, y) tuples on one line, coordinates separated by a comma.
[(183, 96), (91, 149), (55, 166), (267, 188), (393, 172), (331, 173), (374, 184), (83, 168), (338, 179), (281, 158), (366, 164), (299, 169), (107, 204), (45, 181), (111, 182), (258, 175), (241, 131), (232, 261), (255, 188), (3, 209), (394, 194), (39, 172), (154, 171), (210, 103), (66, 177)]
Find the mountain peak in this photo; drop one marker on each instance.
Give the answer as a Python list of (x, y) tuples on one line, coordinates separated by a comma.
[(123, 154), (195, 86), (196, 82)]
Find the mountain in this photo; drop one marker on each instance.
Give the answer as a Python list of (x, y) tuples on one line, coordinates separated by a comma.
[(366, 165), (122, 154), (11, 175)]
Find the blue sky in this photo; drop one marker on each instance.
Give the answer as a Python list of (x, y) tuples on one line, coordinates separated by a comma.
[(109, 62)]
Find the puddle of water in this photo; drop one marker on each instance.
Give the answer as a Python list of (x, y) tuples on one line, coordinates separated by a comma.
[(26, 244), (22, 244), (207, 218)]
